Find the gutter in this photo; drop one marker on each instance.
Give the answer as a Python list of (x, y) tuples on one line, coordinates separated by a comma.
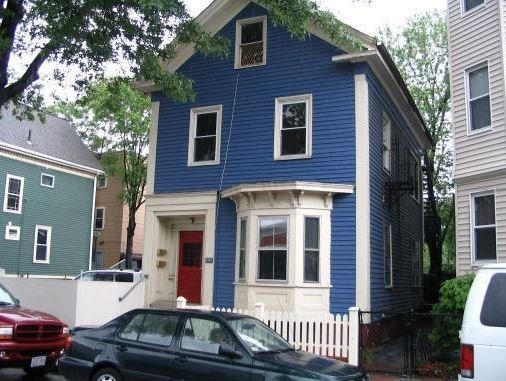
[(380, 61), (37, 155)]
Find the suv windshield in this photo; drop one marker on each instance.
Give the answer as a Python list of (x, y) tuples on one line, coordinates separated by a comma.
[(258, 337), (6, 298)]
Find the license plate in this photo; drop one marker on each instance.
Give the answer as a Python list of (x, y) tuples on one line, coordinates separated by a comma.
[(38, 361)]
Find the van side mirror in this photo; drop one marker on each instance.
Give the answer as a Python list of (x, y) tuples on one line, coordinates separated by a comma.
[(227, 350)]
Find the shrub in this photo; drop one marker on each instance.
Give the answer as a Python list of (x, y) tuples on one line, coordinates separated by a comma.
[(448, 313)]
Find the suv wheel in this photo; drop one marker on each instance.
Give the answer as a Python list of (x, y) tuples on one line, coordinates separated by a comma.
[(107, 374)]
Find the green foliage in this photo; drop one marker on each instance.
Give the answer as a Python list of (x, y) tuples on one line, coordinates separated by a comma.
[(420, 51), (141, 36), (452, 301)]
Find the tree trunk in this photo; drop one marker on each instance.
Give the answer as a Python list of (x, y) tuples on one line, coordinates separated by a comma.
[(130, 238)]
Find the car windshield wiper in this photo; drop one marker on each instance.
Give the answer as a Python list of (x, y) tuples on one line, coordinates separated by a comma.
[(276, 351), (2, 303)]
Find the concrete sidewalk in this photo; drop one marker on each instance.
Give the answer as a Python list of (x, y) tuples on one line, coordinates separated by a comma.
[(376, 376)]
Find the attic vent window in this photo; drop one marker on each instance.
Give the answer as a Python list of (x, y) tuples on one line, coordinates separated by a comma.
[(250, 42)]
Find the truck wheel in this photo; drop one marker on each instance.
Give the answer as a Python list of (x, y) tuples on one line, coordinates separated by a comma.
[(107, 374)]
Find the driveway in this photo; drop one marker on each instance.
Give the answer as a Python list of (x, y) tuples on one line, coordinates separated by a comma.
[(19, 375)]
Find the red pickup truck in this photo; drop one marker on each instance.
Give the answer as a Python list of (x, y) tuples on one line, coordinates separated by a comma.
[(29, 339)]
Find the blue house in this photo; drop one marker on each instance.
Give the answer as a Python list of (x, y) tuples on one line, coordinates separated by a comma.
[(48, 178), (293, 179)]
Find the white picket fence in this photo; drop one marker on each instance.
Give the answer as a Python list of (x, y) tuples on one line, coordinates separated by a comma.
[(325, 334)]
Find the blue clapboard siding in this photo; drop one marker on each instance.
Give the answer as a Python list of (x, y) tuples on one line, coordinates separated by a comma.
[(224, 266), (293, 67), (342, 248), (67, 208), (405, 215)]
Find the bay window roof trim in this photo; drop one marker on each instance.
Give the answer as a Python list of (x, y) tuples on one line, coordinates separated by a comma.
[(288, 186)]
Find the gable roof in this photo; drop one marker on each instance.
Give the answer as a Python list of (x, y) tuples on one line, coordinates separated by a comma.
[(54, 140), (220, 12)]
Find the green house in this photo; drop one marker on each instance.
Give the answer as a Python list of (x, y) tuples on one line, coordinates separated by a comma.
[(48, 179)]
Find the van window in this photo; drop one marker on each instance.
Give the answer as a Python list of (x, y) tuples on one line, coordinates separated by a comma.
[(124, 277), (493, 312)]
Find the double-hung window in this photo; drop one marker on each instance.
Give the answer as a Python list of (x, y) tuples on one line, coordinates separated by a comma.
[(293, 127), (478, 99), (483, 226), (101, 181), (99, 218), (205, 136), (250, 42), (242, 249), (42, 244), (272, 248), (388, 256), (468, 5), (13, 198), (387, 143), (311, 249)]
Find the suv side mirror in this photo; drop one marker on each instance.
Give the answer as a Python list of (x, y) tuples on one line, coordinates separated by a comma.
[(227, 350)]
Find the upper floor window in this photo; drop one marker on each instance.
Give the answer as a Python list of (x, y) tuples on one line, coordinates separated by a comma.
[(414, 177), (272, 248), (47, 180), (293, 127), (478, 99), (483, 226), (99, 218), (311, 249), (42, 244), (13, 198), (387, 143), (102, 181), (205, 136), (250, 42), (388, 256), (467, 5)]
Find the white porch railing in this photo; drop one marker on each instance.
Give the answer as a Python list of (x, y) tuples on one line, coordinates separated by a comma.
[(321, 333)]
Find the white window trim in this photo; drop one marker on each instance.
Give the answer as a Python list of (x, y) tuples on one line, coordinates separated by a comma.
[(47, 175), (287, 269), (98, 182), (21, 191), (467, 71), (193, 129), (472, 196), (463, 11), (12, 227), (391, 284), (103, 218), (304, 249), (238, 31), (48, 251), (387, 166), (278, 116)]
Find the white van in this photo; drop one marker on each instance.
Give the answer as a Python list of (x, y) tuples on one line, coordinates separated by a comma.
[(483, 333)]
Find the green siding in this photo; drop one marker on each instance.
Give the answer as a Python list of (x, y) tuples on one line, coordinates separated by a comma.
[(66, 208)]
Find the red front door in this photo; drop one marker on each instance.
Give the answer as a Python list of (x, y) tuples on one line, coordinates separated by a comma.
[(189, 277)]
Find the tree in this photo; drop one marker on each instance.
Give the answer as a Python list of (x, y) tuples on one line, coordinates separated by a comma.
[(114, 120), (138, 34), (420, 51)]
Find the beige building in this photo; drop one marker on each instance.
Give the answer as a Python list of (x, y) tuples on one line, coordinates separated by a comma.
[(111, 221), (477, 40)]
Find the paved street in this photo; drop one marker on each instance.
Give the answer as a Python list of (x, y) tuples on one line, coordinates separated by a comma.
[(19, 375)]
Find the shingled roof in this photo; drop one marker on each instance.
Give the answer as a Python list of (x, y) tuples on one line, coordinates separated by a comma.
[(53, 140)]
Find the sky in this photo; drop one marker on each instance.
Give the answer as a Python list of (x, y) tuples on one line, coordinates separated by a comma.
[(367, 16)]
